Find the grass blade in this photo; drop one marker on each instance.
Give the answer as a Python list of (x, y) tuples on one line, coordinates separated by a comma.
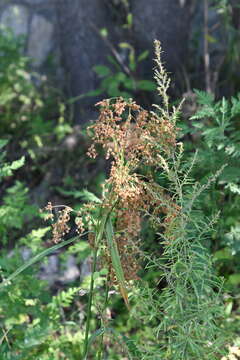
[(116, 261), (35, 259)]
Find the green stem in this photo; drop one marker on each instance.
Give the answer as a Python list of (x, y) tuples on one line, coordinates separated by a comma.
[(89, 307), (98, 238), (102, 322), (99, 235)]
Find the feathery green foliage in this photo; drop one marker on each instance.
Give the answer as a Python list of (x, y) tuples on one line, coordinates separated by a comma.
[(215, 132)]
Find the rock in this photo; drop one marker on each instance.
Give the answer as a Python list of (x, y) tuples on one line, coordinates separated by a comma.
[(72, 272), (40, 39), (49, 271), (26, 253), (86, 268), (16, 18), (167, 21), (82, 47)]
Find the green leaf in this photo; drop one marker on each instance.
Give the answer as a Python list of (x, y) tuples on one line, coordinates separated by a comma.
[(7, 169), (33, 239), (130, 84), (3, 143), (230, 174), (223, 254), (96, 275), (104, 32), (232, 239), (205, 112), (234, 279), (146, 85), (84, 194), (204, 98), (102, 70), (116, 261), (89, 196), (94, 92), (212, 135), (17, 163), (132, 61), (211, 39), (228, 308), (64, 298), (103, 272), (7, 97), (143, 56), (129, 19), (90, 93), (120, 76), (125, 45), (113, 88), (224, 106), (235, 110)]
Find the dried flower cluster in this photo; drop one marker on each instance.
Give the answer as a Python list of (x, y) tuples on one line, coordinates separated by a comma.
[(132, 138), (127, 132), (59, 228), (234, 353)]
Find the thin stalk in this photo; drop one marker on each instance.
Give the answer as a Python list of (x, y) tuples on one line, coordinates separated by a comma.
[(98, 238), (99, 235), (102, 322), (89, 307)]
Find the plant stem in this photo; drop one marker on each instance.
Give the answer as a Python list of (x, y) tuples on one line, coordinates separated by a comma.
[(99, 235), (98, 238), (102, 322), (89, 307)]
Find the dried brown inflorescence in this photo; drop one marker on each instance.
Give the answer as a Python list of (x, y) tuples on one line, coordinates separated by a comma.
[(132, 138), (124, 127), (59, 228)]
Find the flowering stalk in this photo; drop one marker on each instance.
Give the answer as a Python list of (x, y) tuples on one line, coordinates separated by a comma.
[(139, 142)]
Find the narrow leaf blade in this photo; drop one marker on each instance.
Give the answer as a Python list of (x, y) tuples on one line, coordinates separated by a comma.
[(116, 261), (35, 259)]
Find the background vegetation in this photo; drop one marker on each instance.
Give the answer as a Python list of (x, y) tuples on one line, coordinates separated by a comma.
[(184, 297)]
